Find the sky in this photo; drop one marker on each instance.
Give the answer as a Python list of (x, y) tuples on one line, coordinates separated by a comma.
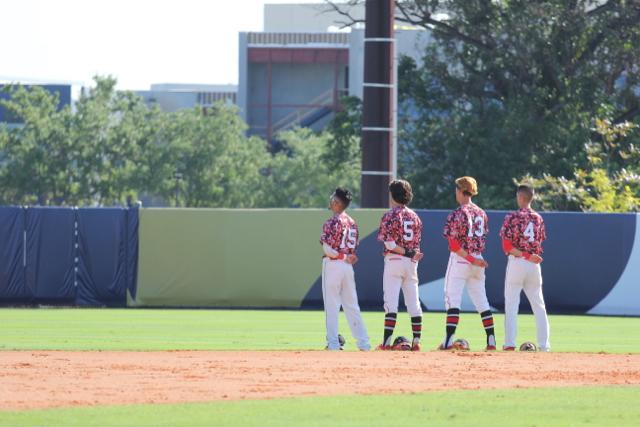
[(139, 42)]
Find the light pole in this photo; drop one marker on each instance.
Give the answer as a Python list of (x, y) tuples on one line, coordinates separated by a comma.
[(178, 177), (378, 103)]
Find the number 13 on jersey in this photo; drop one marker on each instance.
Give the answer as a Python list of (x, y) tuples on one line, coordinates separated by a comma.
[(479, 222)]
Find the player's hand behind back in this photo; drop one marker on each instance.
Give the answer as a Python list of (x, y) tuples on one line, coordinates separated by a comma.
[(480, 263), (418, 256), (536, 259), (352, 259)]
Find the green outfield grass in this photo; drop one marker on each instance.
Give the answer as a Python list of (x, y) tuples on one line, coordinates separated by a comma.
[(601, 406), (137, 329)]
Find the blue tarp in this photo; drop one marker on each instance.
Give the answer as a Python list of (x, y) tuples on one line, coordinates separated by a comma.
[(102, 256), (50, 254), (132, 250), (68, 256), (12, 281)]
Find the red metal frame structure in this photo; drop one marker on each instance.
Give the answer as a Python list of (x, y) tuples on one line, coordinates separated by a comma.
[(297, 55), (377, 108)]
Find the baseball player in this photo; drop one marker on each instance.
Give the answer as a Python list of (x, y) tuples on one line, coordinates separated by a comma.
[(339, 240), (401, 232), (466, 231), (522, 235)]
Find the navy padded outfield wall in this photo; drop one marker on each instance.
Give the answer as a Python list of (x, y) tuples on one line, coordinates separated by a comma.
[(89, 257), (68, 256), (12, 252), (591, 265)]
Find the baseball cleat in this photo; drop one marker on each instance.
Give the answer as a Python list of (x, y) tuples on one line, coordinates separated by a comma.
[(383, 347), (443, 348), (508, 348), (490, 348), (341, 341), (415, 346)]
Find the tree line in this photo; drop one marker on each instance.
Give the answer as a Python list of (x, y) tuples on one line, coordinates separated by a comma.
[(546, 92), (508, 91), (115, 148)]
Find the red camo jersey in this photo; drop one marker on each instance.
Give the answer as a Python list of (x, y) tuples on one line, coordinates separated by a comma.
[(469, 226), (402, 226), (525, 230), (341, 233)]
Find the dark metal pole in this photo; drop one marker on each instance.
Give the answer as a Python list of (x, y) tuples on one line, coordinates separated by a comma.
[(377, 108), (269, 100)]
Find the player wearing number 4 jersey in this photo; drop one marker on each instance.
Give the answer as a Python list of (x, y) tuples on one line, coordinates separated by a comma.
[(522, 235), (339, 240), (401, 232), (466, 230)]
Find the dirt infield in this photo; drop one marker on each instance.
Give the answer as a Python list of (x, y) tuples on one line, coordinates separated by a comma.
[(42, 379)]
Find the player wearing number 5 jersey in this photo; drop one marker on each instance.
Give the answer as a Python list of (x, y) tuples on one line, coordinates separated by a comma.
[(522, 235), (466, 231), (339, 240), (401, 232)]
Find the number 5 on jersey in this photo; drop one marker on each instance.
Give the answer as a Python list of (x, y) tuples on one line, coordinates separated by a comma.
[(408, 231)]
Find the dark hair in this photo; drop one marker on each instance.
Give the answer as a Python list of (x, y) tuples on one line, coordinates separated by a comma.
[(343, 195), (527, 190), (401, 191)]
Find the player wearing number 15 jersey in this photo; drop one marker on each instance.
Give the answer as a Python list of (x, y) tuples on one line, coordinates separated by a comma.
[(339, 240), (401, 232), (466, 230), (522, 235)]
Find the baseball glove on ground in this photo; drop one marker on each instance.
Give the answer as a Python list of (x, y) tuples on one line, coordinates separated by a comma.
[(528, 346), (461, 344), (401, 344)]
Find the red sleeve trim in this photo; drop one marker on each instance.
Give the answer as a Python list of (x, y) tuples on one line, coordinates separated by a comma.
[(506, 246), (454, 245)]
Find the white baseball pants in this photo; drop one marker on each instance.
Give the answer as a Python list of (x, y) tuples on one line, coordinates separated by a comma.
[(461, 273), (339, 289), (401, 272), (524, 275)]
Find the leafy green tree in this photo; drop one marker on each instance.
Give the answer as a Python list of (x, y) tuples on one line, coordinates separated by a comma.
[(112, 132), (114, 147), (511, 87), (345, 129), (601, 186), (507, 88), (35, 156), (220, 167), (298, 176)]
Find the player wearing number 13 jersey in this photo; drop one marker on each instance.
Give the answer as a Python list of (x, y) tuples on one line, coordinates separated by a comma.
[(522, 235), (401, 232), (339, 240), (466, 231)]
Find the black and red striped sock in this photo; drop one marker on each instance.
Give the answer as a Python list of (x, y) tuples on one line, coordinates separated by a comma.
[(487, 322), (453, 317), (389, 326), (416, 327)]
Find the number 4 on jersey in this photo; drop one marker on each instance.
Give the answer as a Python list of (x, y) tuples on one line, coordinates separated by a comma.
[(529, 232)]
